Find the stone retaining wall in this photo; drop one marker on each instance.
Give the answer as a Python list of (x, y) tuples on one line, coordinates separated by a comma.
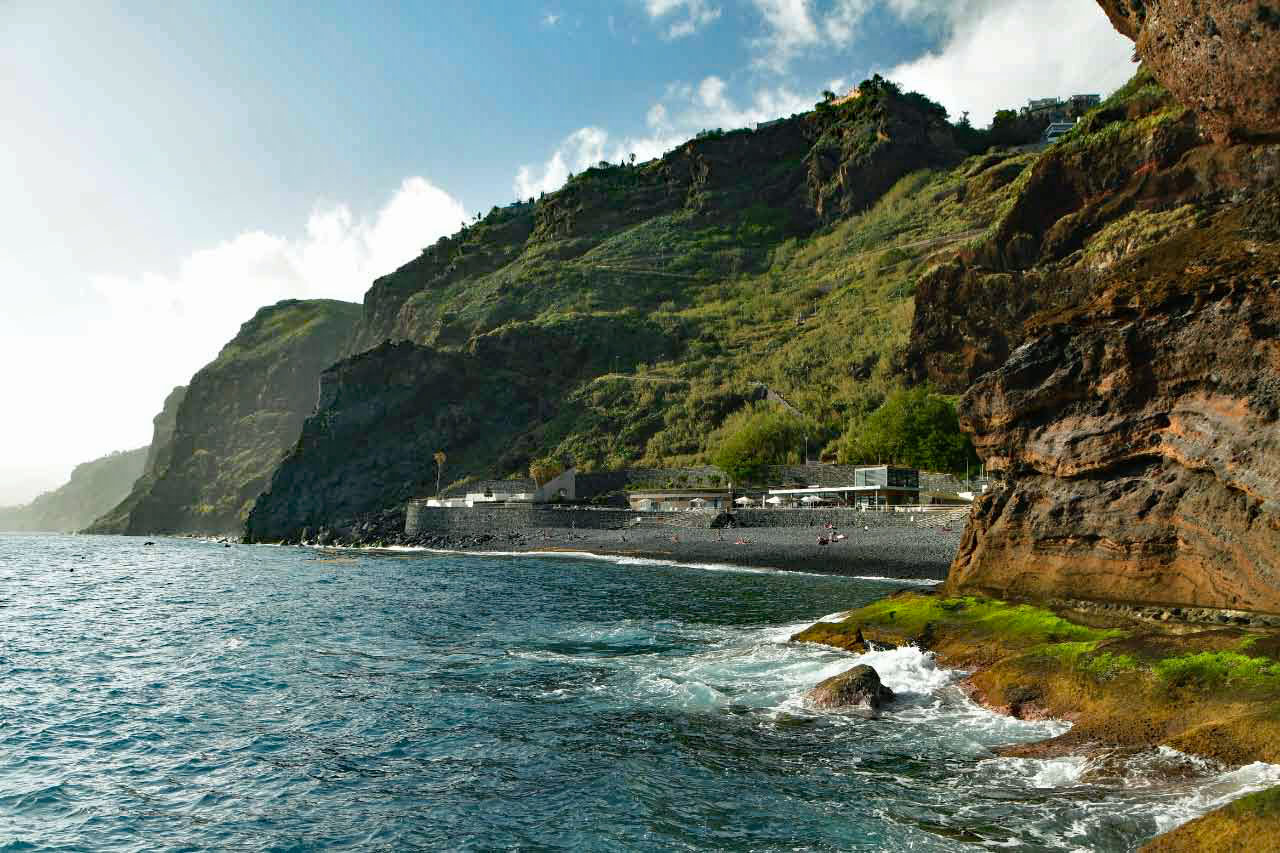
[(420, 518)]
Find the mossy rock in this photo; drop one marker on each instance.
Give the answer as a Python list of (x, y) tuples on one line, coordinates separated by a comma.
[(1250, 824)]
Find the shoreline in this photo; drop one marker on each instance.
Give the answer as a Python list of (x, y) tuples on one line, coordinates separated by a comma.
[(893, 553), (1125, 685)]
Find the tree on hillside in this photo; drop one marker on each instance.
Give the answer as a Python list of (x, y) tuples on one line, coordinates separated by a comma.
[(543, 471), (763, 436), (439, 457), (913, 427)]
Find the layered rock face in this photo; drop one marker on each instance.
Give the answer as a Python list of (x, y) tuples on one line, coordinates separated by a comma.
[(1118, 337), (1142, 457), (1222, 58), (238, 417)]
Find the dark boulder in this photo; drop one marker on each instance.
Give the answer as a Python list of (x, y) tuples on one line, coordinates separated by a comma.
[(859, 686)]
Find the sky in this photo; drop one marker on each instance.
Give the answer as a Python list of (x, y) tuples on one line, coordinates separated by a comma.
[(168, 168)]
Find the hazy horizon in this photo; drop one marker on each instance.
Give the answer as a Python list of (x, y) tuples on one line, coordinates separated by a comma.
[(174, 168)]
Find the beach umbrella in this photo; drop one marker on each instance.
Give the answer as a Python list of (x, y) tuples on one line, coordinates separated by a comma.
[(744, 501), (810, 499), (774, 500)]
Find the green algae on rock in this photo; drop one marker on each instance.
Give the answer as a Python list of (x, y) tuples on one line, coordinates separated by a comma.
[(1213, 692), (1248, 825)]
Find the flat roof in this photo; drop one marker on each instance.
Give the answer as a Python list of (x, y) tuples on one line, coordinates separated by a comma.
[(819, 490)]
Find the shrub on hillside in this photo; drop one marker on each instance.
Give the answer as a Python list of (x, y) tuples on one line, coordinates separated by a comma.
[(760, 436), (914, 427)]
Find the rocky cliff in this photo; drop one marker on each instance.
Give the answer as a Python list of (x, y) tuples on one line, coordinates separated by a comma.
[(1117, 334), (160, 451), (237, 418), (94, 486), (621, 318), (1221, 58)]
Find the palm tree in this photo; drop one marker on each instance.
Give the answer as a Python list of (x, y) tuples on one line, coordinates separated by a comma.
[(439, 457)]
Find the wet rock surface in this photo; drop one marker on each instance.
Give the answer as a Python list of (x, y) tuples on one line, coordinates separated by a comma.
[(858, 687)]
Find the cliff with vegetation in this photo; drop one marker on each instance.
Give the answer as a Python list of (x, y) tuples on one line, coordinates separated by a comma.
[(1116, 332), (623, 318), (94, 487), (235, 421)]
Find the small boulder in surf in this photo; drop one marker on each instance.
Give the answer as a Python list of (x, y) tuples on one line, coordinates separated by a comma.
[(859, 686)]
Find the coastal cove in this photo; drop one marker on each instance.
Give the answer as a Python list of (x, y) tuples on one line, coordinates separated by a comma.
[(190, 694)]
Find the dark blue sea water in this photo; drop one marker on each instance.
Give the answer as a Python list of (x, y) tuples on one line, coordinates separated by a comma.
[(186, 696)]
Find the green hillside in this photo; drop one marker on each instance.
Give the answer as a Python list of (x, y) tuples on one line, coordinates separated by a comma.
[(623, 318), (786, 256)]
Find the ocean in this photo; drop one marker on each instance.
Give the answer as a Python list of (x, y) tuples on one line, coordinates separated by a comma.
[(190, 696)]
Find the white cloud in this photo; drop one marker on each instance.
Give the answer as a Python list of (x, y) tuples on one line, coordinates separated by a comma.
[(683, 17), (790, 29), (579, 150), (550, 19), (1002, 52), (150, 331), (841, 24), (683, 111), (990, 53)]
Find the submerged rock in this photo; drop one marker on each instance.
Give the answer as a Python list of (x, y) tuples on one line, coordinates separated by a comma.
[(859, 686)]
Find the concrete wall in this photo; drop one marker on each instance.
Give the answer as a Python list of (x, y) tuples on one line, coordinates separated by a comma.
[(839, 516), (420, 518)]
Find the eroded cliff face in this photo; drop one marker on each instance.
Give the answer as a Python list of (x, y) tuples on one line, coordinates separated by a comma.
[(1118, 337), (1220, 58), (236, 420)]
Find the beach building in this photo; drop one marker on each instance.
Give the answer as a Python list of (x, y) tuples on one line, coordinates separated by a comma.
[(872, 486), (678, 500), (561, 488), (761, 125), (1056, 130)]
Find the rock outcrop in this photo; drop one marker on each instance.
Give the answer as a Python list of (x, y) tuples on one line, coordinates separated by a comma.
[(859, 687), (236, 420), (1220, 57), (94, 487), (1119, 339), (383, 414), (781, 181)]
